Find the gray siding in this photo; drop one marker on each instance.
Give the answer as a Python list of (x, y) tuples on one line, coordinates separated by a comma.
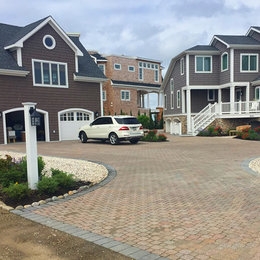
[(256, 36), (199, 99), (205, 78)]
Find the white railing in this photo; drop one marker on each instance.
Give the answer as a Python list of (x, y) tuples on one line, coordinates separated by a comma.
[(240, 107)]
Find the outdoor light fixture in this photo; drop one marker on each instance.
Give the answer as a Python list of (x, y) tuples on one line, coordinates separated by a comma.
[(35, 117), (0, 113), (96, 114)]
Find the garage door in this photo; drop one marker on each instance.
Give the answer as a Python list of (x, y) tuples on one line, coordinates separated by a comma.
[(71, 121), (176, 128)]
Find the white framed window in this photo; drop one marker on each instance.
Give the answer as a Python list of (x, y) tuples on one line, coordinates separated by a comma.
[(182, 66), (178, 98), (141, 74), (257, 93), (156, 75), (117, 66), (172, 93), (211, 94), (82, 116), (125, 95), (140, 64), (131, 68), (67, 116), (49, 42), (165, 101), (104, 93), (50, 74), (203, 64), (224, 61), (248, 62), (144, 64), (102, 68), (152, 66)]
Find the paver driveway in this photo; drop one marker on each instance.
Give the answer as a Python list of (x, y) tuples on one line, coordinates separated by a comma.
[(185, 199)]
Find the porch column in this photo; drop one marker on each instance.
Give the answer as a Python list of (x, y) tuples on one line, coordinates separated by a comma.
[(188, 101), (232, 99), (183, 101), (148, 103), (220, 100), (142, 100), (247, 96)]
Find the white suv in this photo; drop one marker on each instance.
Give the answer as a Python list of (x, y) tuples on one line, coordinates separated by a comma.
[(113, 128)]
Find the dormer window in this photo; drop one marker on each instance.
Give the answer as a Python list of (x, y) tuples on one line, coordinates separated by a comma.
[(49, 42), (224, 62)]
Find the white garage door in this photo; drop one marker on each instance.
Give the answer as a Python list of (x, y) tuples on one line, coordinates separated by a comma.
[(176, 128), (71, 121)]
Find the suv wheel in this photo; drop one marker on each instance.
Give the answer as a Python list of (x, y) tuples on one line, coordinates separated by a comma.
[(83, 137), (113, 139)]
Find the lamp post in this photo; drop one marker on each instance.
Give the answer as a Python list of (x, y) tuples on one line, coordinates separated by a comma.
[(31, 119)]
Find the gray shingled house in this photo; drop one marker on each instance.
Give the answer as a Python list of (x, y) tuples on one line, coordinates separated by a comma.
[(215, 84), (41, 63)]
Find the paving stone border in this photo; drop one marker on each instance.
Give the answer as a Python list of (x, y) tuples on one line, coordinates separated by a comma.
[(106, 242), (245, 166)]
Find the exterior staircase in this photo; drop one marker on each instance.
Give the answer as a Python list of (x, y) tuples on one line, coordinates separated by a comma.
[(205, 117)]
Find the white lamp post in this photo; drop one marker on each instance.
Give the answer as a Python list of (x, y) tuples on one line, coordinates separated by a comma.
[(31, 119)]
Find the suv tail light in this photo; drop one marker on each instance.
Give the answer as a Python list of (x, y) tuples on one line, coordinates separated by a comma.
[(123, 128), (141, 127)]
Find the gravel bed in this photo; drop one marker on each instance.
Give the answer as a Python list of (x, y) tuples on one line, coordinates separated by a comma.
[(255, 165), (84, 170)]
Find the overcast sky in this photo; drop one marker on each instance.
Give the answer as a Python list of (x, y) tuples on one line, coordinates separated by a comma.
[(156, 29)]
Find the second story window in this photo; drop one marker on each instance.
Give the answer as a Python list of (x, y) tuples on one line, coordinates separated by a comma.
[(104, 95), (102, 68), (178, 99), (125, 95), (141, 74), (224, 61), (117, 66), (50, 74), (131, 68), (248, 62), (182, 66), (156, 75), (172, 93), (203, 64)]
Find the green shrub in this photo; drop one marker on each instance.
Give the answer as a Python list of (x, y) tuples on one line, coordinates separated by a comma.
[(41, 165), (162, 137), (6, 163), (254, 136), (144, 120), (17, 191), (204, 133), (211, 129), (63, 179), (47, 185)]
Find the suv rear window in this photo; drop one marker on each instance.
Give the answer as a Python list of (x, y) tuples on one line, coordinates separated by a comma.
[(127, 121)]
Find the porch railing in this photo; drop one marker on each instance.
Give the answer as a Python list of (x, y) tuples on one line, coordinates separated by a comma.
[(240, 107)]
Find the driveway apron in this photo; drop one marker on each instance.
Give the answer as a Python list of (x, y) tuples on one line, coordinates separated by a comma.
[(187, 198)]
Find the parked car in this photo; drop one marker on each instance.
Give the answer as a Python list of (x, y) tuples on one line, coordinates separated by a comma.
[(113, 128)]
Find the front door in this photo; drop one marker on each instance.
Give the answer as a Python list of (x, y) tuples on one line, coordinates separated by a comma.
[(238, 95)]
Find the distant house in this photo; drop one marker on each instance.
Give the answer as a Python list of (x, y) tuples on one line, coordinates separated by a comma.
[(215, 84), (131, 79), (41, 63)]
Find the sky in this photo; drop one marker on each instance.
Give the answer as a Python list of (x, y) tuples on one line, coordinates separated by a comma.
[(155, 29)]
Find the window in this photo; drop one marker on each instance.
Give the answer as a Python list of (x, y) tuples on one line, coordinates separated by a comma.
[(248, 62), (138, 99), (67, 116), (131, 68), (224, 62), (182, 66), (165, 102), (125, 95), (178, 99), (156, 76), (102, 68), (203, 64), (49, 74), (140, 64), (172, 93), (127, 121), (257, 93), (140, 73), (211, 94), (82, 116), (117, 66), (49, 42), (104, 95)]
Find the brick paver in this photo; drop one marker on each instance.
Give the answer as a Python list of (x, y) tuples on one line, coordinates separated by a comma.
[(185, 199)]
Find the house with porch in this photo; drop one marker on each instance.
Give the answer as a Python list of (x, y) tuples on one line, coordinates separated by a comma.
[(131, 80), (216, 84), (40, 63)]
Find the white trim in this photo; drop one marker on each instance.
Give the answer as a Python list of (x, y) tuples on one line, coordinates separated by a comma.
[(211, 99), (19, 57), (188, 103), (182, 67), (72, 110), (203, 56), (46, 121), (58, 73), (77, 63), (101, 98), (89, 79), (183, 102), (249, 54), (224, 53), (218, 39), (152, 89), (178, 97), (132, 67), (115, 64), (156, 70), (187, 69), (172, 92), (104, 68), (232, 62), (16, 73), (53, 41), (165, 102), (125, 99), (258, 92)]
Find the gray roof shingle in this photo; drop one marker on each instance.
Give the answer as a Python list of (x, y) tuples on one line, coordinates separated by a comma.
[(238, 39), (99, 57), (203, 48)]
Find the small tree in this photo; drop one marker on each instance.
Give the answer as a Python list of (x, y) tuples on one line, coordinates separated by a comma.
[(144, 120)]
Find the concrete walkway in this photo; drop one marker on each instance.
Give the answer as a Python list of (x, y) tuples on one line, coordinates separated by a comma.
[(185, 199)]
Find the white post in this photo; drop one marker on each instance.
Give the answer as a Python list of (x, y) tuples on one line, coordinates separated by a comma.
[(148, 103), (31, 147), (183, 101), (101, 99), (188, 101), (232, 99), (247, 97), (143, 101)]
